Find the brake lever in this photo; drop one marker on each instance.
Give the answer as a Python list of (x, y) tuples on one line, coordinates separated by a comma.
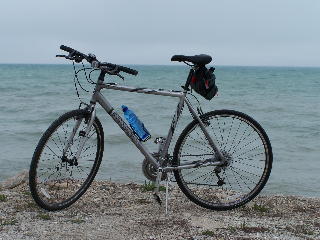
[(77, 59), (114, 71), (66, 57), (74, 57), (120, 76)]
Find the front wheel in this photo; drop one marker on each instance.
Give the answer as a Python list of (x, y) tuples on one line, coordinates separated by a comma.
[(246, 149), (57, 178)]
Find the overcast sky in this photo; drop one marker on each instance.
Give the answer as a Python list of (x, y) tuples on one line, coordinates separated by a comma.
[(273, 32)]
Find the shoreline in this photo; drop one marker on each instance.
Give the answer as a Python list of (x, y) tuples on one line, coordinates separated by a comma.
[(124, 211), (22, 177)]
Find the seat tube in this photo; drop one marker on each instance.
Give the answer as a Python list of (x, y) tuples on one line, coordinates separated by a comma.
[(186, 86), (173, 125)]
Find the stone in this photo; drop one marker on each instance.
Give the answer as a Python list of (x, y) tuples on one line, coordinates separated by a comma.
[(15, 181)]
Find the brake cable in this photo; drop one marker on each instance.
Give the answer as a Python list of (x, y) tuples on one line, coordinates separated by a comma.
[(92, 82), (75, 80), (76, 77), (199, 109), (85, 72)]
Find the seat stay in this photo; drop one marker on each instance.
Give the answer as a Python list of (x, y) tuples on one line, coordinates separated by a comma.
[(205, 132)]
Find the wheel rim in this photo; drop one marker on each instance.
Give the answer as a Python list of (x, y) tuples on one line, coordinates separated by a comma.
[(60, 179), (246, 151)]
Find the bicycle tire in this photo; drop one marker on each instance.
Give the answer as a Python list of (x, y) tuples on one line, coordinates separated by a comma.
[(48, 193), (224, 193)]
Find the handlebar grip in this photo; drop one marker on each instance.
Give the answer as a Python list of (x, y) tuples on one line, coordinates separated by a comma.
[(67, 49), (121, 68), (128, 70)]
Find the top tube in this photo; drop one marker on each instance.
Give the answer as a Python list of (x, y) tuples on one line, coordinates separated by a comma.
[(162, 92)]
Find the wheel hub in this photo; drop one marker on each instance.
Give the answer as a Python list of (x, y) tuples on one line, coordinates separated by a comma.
[(228, 159), (71, 162)]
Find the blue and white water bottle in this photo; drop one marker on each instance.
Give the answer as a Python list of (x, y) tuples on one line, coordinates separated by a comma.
[(136, 124)]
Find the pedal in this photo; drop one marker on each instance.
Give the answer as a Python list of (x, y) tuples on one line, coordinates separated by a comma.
[(221, 182), (157, 198)]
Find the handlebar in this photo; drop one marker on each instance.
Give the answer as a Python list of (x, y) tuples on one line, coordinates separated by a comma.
[(78, 57), (74, 54)]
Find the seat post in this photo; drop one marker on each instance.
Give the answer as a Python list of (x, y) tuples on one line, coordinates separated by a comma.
[(186, 86)]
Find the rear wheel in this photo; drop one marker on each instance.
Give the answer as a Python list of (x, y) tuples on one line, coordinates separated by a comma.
[(248, 153), (57, 180)]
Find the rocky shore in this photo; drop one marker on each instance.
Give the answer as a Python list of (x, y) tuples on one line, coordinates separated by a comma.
[(128, 211)]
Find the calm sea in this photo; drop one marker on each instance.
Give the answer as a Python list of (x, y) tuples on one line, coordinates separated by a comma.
[(284, 100)]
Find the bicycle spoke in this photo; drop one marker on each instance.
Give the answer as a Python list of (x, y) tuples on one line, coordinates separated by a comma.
[(52, 151), (233, 181), (249, 165), (61, 177)]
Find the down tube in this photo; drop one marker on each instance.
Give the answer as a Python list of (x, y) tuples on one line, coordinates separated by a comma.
[(127, 130)]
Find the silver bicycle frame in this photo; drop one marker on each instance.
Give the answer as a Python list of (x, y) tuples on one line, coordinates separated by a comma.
[(97, 97)]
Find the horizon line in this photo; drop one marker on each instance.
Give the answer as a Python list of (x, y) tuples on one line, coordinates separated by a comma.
[(171, 65)]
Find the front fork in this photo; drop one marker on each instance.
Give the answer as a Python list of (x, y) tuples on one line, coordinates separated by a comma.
[(85, 136)]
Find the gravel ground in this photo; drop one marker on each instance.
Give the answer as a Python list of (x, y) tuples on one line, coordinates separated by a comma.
[(123, 211)]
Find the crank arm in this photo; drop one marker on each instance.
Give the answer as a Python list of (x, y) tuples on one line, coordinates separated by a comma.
[(156, 193)]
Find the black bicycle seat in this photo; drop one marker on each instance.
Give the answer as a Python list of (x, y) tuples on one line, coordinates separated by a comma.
[(201, 59)]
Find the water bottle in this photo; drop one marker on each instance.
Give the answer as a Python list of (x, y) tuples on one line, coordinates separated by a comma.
[(136, 124)]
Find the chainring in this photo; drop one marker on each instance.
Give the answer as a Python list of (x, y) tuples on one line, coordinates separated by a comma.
[(149, 171)]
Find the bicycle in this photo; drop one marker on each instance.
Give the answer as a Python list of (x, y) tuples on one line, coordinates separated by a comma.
[(221, 160)]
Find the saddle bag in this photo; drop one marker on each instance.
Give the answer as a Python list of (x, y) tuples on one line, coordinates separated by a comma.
[(203, 82)]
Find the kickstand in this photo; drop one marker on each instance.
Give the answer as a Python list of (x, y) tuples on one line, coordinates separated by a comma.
[(168, 183)]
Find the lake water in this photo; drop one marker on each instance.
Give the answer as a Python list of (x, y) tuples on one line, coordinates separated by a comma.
[(284, 100)]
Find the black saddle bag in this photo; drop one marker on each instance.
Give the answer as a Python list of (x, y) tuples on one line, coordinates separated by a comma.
[(203, 82)]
